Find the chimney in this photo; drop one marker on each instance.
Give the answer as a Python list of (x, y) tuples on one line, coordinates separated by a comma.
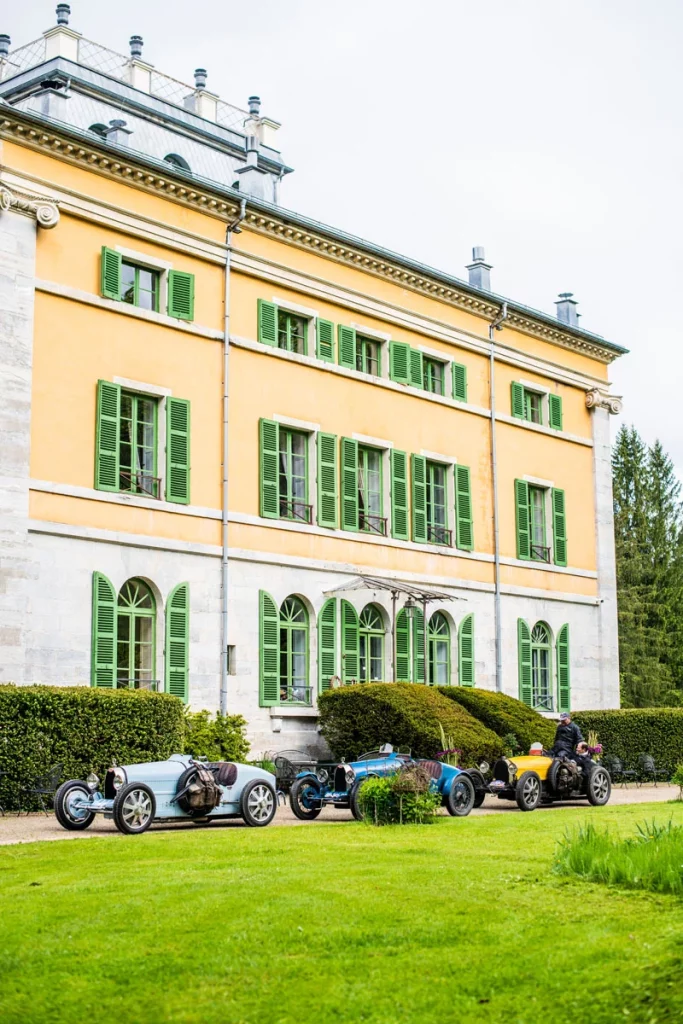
[(138, 73), (62, 41), (254, 179), (118, 133), (5, 43), (136, 43), (52, 99), (479, 270), (566, 309), (202, 102), (63, 12)]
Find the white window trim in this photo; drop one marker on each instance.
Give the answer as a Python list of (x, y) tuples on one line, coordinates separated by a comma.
[(370, 332), (162, 267), (304, 425), (544, 392), (437, 457), (531, 385), (536, 481), (140, 388), (435, 354), (293, 307), (372, 442)]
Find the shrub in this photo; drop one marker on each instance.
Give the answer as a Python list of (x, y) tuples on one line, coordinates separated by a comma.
[(219, 739), (354, 719), (677, 779), (84, 729), (401, 799), (632, 731), (506, 716)]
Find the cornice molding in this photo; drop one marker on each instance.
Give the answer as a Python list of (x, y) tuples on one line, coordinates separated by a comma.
[(44, 211), (132, 168)]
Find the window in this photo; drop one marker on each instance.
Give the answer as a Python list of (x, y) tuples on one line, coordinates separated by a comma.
[(370, 517), (371, 645), (139, 286), (99, 129), (437, 519), (533, 523), (135, 637), (536, 406), (541, 668), (293, 476), (539, 550), (439, 650), (177, 161), (294, 688), (292, 332), (434, 374), (536, 685), (533, 406), (368, 358), (138, 445)]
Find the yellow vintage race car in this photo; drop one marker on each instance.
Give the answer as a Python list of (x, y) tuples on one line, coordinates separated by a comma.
[(535, 779)]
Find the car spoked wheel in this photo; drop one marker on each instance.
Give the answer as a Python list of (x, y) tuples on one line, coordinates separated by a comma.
[(69, 811), (599, 787), (304, 798), (461, 797), (528, 791), (134, 808), (259, 803)]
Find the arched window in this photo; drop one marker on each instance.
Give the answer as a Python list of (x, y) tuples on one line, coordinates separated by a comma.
[(135, 637), (294, 688), (177, 161), (439, 650), (99, 129), (541, 668), (371, 638)]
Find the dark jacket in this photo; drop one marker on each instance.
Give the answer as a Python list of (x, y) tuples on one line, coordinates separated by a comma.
[(566, 738)]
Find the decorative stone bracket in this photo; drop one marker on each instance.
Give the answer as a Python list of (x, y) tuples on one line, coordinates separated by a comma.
[(597, 399), (45, 211)]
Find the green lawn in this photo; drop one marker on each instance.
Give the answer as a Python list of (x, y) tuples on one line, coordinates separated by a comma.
[(458, 921)]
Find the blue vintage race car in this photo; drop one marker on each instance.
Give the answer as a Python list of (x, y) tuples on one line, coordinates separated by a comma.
[(461, 789), (136, 795)]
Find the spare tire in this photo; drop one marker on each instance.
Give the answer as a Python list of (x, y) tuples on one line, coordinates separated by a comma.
[(199, 795)]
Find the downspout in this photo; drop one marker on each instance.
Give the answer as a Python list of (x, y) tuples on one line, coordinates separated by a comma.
[(233, 226), (496, 325)]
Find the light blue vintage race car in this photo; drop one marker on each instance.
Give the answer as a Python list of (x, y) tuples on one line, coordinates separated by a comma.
[(136, 795)]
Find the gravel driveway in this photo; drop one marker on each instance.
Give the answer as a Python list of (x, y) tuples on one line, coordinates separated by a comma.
[(37, 827)]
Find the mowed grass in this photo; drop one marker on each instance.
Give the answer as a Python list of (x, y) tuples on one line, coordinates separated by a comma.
[(463, 920)]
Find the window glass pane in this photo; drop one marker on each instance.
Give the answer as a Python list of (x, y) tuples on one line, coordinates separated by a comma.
[(534, 406), (376, 651), (128, 283), (147, 288), (537, 516)]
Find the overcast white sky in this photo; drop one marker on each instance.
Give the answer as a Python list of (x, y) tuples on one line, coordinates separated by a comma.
[(548, 131)]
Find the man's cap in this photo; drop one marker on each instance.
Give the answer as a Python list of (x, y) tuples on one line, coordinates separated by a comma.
[(565, 716)]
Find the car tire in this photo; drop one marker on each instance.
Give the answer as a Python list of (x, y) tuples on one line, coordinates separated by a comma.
[(67, 818), (528, 791), (353, 800), (297, 799), (258, 803), (461, 796), (598, 786), (479, 797), (134, 809)]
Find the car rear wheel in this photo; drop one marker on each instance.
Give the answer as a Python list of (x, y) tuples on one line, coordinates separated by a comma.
[(353, 800), (134, 808), (305, 800), (599, 787), (461, 797), (528, 791), (479, 797), (259, 803), (69, 816)]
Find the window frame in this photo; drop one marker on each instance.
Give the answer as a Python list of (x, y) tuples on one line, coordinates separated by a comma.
[(547, 701), (432, 526), (365, 346), (293, 315), (364, 451), (137, 269), (136, 397), (536, 489), (433, 640), (367, 633), (429, 364), (161, 267), (130, 613), (290, 627), (290, 432), (530, 396)]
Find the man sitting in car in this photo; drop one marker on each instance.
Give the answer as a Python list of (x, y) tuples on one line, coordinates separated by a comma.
[(570, 743)]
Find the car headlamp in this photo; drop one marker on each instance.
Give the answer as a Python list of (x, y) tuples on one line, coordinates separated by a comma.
[(322, 776), (512, 769), (92, 782), (119, 778), (484, 767), (350, 775)]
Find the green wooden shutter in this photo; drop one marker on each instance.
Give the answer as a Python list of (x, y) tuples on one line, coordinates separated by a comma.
[(346, 346), (327, 480), (399, 495), (267, 323), (399, 361), (269, 440), (110, 273), (517, 401), (466, 651), (324, 336), (269, 651), (524, 661), (522, 515), (402, 647), (102, 655), (555, 411), (459, 382), (327, 644), (563, 674), (559, 527), (415, 368), (464, 530), (178, 641), (418, 467), (178, 450), (181, 295), (418, 646), (349, 484), (350, 643), (107, 436)]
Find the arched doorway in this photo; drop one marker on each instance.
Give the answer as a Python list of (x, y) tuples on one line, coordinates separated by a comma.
[(439, 650), (371, 645), (541, 667), (135, 637), (294, 688)]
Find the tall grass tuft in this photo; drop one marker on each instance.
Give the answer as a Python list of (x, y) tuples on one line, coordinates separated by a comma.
[(651, 859)]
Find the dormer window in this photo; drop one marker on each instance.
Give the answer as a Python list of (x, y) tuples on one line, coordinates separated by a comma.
[(99, 129), (177, 161)]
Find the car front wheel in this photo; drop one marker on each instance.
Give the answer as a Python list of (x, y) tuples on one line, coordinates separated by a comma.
[(599, 787), (259, 803), (67, 813), (304, 798), (134, 808), (461, 797), (528, 791), (353, 800)]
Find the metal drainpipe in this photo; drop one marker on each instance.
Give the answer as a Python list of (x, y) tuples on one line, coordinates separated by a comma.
[(496, 325), (233, 226)]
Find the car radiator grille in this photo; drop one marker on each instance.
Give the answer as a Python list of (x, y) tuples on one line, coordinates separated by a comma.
[(340, 778)]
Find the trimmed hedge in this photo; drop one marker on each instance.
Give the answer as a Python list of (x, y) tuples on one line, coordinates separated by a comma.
[(355, 719), (83, 729), (219, 737), (632, 731), (504, 715)]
